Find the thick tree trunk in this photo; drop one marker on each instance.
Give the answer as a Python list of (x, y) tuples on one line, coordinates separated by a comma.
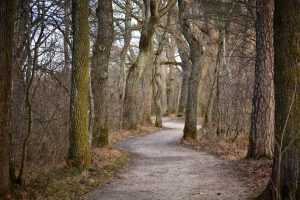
[(79, 148), (190, 126), (186, 72), (196, 52), (101, 55), (7, 10), (286, 164), (131, 101), (138, 68), (261, 141)]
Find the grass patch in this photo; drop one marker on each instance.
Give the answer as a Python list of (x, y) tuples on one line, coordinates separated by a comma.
[(69, 183), (66, 183)]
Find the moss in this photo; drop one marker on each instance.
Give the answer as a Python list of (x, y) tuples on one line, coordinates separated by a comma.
[(102, 140), (189, 134)]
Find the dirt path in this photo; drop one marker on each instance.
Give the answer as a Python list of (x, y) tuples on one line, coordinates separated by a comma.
[(164, 170)]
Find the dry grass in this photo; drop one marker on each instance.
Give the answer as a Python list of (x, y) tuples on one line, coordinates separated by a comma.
[(126, 134), (255, 173), (226, 148), (67, 183)]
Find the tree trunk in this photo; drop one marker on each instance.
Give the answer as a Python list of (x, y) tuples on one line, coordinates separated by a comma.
[(137, 69), (196, 52), (67, 22), (261, 139), (186, 72), (101, 55), (158, 93), (286, 164), (79, 147), (123, 57), (214, 89), (171, 97), (7, 10), (164, 98)]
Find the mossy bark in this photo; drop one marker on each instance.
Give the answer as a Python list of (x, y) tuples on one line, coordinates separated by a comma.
[(7, 10), (285, 179), (79, 148), (261, 141), (101, 55)]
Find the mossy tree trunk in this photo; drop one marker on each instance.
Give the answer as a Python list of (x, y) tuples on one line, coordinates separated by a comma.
[(196, 54), (79, 147), (101, 55), (7, 10), (285, 179), (261, 141), (138, 67)]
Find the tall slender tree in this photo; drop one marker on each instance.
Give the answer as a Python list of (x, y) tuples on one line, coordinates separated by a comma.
[(285, 179), (79, 149), (196, 54), (7, 10), (261, 141), (101, 54)]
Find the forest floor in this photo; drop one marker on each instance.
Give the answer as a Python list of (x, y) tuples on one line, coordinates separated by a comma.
[(255, 173), (162, 169), (66, 183)]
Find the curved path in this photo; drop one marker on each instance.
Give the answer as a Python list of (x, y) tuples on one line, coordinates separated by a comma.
[(163, 170)]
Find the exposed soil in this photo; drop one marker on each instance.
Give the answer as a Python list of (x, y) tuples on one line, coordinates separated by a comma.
[(162, 169)]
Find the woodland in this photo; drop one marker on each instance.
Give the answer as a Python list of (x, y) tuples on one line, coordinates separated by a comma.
[(78, 76)]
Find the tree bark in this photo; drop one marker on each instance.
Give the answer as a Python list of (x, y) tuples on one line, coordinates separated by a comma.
[(261, 141), (101, 55), (123, 57), (171, 87), (186, 72), (138, 67), (214, 90), (196, 52), (285, 179), (79, 147), (7, 10)]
